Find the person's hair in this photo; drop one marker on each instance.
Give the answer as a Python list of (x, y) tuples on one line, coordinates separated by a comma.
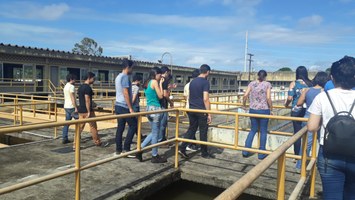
[(71, 77), (89, 75), (195, 73), (127, 63), (262, 75), (302, 73), (137, 77), (204, 69), (343, 72), (320, 79), (164, 69), (153, 72)]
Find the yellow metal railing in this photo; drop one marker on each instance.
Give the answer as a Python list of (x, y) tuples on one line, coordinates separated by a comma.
[(231, 193)]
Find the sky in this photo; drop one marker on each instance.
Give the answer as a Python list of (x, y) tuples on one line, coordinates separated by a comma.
[(312, 33)]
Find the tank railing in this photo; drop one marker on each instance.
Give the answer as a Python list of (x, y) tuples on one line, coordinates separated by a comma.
[(279, 154)]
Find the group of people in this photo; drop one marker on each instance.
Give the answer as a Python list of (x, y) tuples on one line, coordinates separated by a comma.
[(320, 100), (307, 97)]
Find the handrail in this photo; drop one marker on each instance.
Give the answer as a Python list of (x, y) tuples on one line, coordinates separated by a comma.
[(235, 190), (279, 154)]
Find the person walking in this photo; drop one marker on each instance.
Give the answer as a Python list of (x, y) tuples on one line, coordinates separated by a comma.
[(136, 82), (199, 99), (295, 91), (337, 170), (69, 104), (259, 93), (124, 105), (85, 108), (307, 97), (153, 89), (165, 102)]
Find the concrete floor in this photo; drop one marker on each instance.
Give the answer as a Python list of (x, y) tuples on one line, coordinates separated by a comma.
[(124, 178)]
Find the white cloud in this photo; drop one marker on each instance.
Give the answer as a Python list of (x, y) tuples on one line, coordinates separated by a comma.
[(28, 10), (275, 34), (36, 33), (313, 20), (243, 7)]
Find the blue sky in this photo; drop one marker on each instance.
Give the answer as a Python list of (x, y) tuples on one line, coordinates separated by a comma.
[(282, 33)]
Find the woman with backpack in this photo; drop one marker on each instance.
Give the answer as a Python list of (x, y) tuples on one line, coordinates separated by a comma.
[(307, 97), (295, 91), (334, 110)]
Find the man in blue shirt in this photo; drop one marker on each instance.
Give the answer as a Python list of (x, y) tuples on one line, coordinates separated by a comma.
[(123, 105), (330, 85)]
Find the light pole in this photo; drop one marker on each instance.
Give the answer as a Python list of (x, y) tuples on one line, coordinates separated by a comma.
[(250, 60), (171, 60)]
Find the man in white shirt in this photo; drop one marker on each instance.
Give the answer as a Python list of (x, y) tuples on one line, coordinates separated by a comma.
[(337, 171), (195, 74), (69, 104)]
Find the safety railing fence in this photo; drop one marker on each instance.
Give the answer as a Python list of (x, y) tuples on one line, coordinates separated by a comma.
[(280, 154)]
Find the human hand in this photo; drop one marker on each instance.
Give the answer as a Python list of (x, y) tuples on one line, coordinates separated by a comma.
[(131, 110), (209, 119), (88, 114)]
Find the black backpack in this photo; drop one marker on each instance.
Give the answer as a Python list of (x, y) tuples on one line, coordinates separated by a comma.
[(339, 138)]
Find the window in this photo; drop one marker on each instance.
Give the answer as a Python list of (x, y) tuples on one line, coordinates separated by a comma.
[(96, 72), (214, 81), (17, 73), (225, 81), (178, 79), (1, 72), (63, 73), (28, 73), (232, 82), (83, 73)]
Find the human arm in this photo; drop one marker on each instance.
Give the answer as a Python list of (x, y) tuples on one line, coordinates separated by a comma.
[(158, 88), (73, 99), (302, 98), (290, 97), (135, 93), (268, 97), (206, 101), (88, 104), (246, 95), (127, 99), (314, 122), (166, 93)]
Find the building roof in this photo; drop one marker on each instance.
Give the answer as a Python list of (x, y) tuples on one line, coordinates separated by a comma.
[(51, 53)]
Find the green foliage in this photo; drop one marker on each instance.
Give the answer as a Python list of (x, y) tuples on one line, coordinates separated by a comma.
[(285, 69), (327, 70), (88, 46)]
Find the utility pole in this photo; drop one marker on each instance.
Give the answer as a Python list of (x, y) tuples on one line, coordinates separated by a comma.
[(246, 52), (250, 60)]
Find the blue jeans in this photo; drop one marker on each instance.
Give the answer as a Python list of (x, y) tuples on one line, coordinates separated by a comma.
[(163, 125), (297, 126), (121, 123), (257, 123), (155, 123), (338, 175), (136, 108), (68, 117), (309, 144)]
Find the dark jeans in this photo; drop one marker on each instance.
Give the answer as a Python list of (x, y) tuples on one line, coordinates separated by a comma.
[(338, 175), (163, 125), (257, 123), (121, 124), (197, 120), (68, 112), (297, 126), (136, 108)]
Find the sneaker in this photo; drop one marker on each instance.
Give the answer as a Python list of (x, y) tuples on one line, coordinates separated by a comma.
[(139, 156), (118, 153), (158, 159), (192, 148), (208, 156), (103, 144), (66, 141), (183, 154), (129, 156)]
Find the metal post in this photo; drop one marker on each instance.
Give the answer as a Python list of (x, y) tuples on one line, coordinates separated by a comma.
[(250, 60), (281, 167), (21, 116), (177, 121), (313, 171), (236, 130), (304, 155), (77, 162), (139, 138), (56, 119)]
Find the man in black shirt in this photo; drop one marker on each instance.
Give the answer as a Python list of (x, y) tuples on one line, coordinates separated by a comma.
[(85, 108), (199, 99), (165, 102)]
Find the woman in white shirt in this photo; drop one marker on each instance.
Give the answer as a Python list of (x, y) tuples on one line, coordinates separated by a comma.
[(337, 171)]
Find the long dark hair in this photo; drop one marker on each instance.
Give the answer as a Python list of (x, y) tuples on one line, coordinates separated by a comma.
[(152, 74), (320, 79), (302, 73), (262, 75)]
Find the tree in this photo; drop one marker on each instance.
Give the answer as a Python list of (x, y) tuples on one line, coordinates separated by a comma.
[(285, 69), (328, 70), (88, 46)]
